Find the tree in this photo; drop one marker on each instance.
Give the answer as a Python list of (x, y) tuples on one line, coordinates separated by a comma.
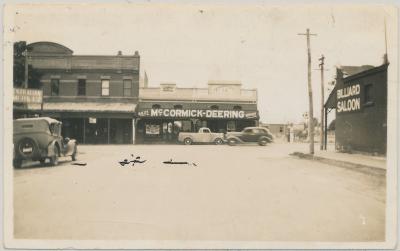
[(34, 76)]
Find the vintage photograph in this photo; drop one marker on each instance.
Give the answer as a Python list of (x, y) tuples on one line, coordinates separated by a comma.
[(200, 125)]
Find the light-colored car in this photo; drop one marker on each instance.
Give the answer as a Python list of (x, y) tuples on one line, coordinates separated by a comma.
[(40, 139), (204, 135)]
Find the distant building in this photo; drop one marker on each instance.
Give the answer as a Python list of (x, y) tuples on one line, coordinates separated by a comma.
[(95, 96), (166, 110), (278, 130), (360, 102)]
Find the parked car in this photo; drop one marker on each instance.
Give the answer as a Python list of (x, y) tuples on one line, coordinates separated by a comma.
[(204, 135), (39, 139), (259, 135)]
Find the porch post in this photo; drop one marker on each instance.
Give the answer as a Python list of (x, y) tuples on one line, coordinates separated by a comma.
[(84, 130), (108, 130), (133, 131)]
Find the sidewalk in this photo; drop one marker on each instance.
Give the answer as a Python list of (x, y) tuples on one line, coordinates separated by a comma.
[(359, 162)]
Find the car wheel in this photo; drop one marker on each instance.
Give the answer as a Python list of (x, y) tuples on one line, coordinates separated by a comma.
[(188, 141), (54, 158), (231, 142), (42, 161), (17, 163), (218, 141), (262, 142), (73, 156)]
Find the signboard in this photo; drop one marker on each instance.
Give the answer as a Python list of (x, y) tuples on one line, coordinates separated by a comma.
[(348, 99), (92, 120), (198, 113), (152, 129), (31, 96)]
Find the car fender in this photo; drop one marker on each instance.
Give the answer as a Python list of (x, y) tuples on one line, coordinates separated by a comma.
[(50, 148), (269, 139), (234, 137), (72, 143)]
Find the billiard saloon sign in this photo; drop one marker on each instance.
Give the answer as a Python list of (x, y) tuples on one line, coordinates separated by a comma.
[(198, 113), (348, 99)]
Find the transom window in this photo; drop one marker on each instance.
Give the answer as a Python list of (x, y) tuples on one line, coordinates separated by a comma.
[(369, 94), (105, 87), (156, 106)]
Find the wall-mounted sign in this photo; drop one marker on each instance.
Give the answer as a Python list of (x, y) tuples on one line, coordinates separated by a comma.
[(28, 96), (348, 99), (92, 120), (198, 113)]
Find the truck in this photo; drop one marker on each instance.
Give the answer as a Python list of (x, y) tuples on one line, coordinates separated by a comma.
[(204, 135)]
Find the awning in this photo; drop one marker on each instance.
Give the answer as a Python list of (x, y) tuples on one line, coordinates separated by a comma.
[(85, 107)]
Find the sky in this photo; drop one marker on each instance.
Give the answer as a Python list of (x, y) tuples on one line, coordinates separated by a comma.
[(192, 43)]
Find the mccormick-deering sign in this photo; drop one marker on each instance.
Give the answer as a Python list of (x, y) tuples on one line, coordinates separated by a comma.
[(348, 99), (198, 113), (28, 96)]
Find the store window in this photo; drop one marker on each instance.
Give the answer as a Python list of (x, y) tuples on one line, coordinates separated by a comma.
[(152, 129), (105, 87), (369, 94), (55, 87), (81, 87), (127, 87), (231, 126)]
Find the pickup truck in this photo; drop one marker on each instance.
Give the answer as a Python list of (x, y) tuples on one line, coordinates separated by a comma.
[(204, 135)]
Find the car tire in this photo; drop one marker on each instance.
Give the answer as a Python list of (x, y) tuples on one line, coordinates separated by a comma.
[(187, 141), (54, 158), (42, 161), (74, 154), (218, 141), (17, 163), (232, 142), (30, 142), (263, 142)]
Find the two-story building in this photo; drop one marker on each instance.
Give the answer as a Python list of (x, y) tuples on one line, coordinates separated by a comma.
[(166, 110), (95, 96)]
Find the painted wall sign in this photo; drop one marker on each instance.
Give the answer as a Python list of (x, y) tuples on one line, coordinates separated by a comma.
[(348, 99), (198, 113), (28, 96)]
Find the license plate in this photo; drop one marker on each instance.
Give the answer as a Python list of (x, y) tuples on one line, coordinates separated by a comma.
[(27, 150)]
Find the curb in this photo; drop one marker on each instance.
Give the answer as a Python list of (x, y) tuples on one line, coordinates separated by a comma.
[(345, 164)]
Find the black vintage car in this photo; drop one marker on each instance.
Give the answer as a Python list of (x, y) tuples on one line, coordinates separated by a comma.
[(39, 139), (259, 135)]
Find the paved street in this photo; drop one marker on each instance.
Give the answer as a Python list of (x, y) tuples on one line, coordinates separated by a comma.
[(231, 193)]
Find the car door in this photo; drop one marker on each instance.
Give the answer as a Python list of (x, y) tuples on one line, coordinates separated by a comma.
[(206, 135), (247, 135)]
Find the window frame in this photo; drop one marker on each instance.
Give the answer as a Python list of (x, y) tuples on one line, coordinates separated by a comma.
[(80, 81), (54, 81), (371, 100), (125, 88), (105, 88)]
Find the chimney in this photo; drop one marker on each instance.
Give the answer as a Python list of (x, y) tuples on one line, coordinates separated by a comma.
[(119, 53)]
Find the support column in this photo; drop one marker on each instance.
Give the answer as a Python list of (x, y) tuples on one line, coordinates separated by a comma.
[(133, 131), (108, 130), (84, 130), (326, 129)]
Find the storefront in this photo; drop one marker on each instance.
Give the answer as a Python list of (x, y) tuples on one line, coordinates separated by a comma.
[(164, 125)]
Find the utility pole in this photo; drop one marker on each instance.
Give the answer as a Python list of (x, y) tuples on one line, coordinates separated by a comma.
[(26, 68), (310, 97), (321, 66)]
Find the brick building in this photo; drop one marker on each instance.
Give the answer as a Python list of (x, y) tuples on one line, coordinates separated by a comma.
[(360, 101), (165, 111), (95, 96)]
